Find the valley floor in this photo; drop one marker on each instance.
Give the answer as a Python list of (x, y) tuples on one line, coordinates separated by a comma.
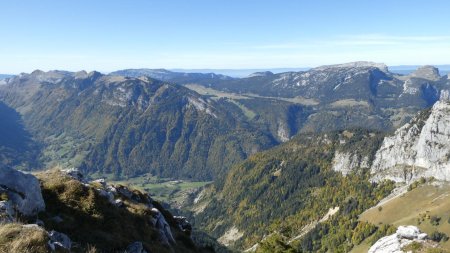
[(171, 191)]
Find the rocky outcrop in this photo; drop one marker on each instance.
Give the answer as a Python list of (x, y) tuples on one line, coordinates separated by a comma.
[(230, 236), (419, 148), (183, 224), (70, 199), (346, 162), (394, 243), (165, 234), (118, 194), (22, 193)]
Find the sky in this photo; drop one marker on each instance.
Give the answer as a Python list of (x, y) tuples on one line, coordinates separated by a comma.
[(219, 34)]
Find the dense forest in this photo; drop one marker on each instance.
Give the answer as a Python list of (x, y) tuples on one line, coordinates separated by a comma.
[(284, 189)]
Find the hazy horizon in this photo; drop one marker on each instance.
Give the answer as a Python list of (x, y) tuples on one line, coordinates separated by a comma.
[(200, 34), (243, 72)]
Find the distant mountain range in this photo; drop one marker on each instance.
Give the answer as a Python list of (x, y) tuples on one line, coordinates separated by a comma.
[(401, 69), (367, 90), (190, 125), (239, 72)]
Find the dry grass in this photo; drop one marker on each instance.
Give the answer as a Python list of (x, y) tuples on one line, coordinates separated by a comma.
[(91, 249), (90, 220), (16, 238), (405, 210)]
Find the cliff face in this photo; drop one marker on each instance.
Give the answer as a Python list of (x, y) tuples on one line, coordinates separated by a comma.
[(347, 162), (419, 148)]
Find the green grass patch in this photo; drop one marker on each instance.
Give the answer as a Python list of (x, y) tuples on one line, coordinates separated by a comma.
[(162, 189)]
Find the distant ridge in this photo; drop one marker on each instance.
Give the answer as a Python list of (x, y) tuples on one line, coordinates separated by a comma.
[(241, 72)]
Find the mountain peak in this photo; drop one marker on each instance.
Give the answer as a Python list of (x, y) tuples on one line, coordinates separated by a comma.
[(427, 72), (81, 74)]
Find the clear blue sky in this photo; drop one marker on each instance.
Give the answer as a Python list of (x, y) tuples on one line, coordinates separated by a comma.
[(110, 35)]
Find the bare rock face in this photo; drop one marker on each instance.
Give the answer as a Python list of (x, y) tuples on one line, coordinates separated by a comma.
[(419, 148), (346, 162), (395, 242), (22, 190)]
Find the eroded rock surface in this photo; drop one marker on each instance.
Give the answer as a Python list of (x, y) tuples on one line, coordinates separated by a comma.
[(22, 191), (420, 148), (394, 243)]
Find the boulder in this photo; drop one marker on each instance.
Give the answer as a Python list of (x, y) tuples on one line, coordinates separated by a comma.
[(23, 190), (108, 195), (59, 241), (119, 203), (136, 247)]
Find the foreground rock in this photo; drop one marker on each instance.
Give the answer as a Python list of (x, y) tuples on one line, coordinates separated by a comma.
[(59, 241), (21, 192), (394, 243), (79, 215)]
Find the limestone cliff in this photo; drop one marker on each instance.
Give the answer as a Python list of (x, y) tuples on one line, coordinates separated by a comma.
[(419, 148)]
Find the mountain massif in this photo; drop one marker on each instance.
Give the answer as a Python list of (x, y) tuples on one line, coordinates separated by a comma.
[(357, 94), (297, 161), (126, 126)]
